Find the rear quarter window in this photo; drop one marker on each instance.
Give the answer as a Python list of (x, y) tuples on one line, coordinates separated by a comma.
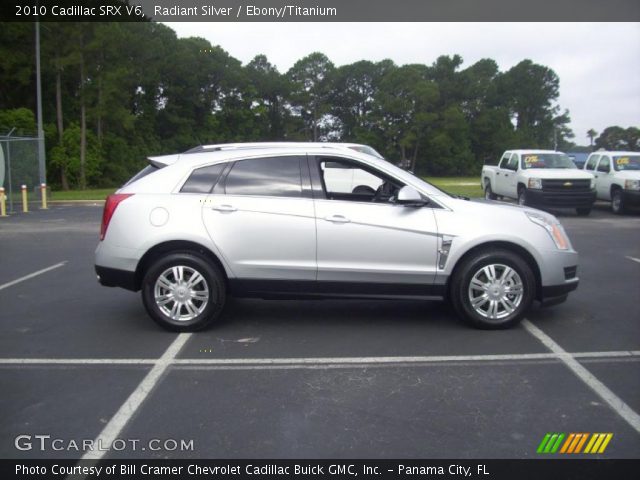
[(202, 180)]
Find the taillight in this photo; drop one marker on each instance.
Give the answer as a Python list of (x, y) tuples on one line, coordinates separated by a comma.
[(110, 206)]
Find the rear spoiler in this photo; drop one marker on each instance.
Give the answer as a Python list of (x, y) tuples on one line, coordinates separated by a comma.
[(164, 160)]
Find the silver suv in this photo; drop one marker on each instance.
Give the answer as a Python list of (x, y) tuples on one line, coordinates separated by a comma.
[(321, 221)]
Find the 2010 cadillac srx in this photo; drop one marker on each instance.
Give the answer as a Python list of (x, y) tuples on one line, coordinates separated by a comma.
[(321, 221)]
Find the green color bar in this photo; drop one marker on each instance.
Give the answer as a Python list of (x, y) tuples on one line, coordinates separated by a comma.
[(543, 443), (550, 443), (558, 442)]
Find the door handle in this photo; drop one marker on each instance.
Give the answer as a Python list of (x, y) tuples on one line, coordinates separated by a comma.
[(337, 219), (224, 208), (497, 173), (506, 174)]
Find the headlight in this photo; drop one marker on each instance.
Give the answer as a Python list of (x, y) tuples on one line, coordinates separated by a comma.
[(535, 183), (554, 229), (593, 183), (632, 184)]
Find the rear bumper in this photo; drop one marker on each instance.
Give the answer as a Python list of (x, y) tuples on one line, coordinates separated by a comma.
[(112, 277), (554, 198)]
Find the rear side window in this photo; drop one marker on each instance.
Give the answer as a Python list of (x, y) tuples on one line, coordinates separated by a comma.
[(202, 180), (591, 163), (272, 177)]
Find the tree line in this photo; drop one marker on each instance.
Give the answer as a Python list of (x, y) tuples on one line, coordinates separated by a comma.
[(114, 93)]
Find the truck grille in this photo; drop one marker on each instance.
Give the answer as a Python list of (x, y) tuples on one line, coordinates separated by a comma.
[(562, 185)]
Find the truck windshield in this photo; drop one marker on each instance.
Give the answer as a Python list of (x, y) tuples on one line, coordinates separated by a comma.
[(626, 162), (546, 160)]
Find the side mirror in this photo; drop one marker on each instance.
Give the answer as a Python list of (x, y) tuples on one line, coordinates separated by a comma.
[(409, 197)]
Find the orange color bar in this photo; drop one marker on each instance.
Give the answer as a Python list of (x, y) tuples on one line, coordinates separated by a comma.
[(567, 443)]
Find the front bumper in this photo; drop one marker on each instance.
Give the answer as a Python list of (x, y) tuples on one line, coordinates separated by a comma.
[(555, 294), (631, 198), (561, 199)]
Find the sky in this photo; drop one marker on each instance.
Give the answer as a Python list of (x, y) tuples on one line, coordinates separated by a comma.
[(598, 63)]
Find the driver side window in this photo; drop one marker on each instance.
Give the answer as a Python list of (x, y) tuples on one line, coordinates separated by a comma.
[(351, 181)]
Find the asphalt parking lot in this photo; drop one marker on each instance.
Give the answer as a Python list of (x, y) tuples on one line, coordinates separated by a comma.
[(310, 379)]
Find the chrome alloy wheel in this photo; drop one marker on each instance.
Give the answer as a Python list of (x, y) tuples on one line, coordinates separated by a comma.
[(495, 291), (181, 293)]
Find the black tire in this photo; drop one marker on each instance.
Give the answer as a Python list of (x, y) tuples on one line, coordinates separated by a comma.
[(472, 265), (213, 278), (488, 193), (522, 196), (583, 211), (617, 202)]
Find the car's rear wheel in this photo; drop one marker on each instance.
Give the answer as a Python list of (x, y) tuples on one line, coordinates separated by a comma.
[(488, 193), (183, 292), (493, 289)]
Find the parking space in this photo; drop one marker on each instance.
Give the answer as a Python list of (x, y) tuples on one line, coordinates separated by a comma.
[(303, 379)]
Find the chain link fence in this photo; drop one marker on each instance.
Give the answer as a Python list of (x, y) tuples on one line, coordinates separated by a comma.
[(19, 166)]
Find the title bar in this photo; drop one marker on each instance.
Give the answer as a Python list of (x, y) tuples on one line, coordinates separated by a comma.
[(322, 10)]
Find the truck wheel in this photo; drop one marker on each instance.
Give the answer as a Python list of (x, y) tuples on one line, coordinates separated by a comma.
[(617, 202), (522, 196), (492, 289), (488, 193), (183, 292), (583, 211)]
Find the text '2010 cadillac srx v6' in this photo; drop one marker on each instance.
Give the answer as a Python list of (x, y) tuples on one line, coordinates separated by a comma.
[(278, 221)]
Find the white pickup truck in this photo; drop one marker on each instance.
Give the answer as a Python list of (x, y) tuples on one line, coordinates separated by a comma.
[(617, 178), (540, 178)]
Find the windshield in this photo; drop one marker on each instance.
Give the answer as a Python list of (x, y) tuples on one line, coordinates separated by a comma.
[(626, 162), (546, 160)]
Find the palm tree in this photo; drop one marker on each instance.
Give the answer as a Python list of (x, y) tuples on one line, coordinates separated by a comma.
[(591, 133)]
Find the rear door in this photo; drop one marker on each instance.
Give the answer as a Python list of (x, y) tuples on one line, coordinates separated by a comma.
[(261, 218), (498, 186)]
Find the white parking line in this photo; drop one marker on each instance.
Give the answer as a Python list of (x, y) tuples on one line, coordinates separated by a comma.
[(318, 361), (615, 402), (31, 275), (633, 258), (129, 407)]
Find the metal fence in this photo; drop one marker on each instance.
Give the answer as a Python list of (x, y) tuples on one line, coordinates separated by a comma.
[(19, 166)]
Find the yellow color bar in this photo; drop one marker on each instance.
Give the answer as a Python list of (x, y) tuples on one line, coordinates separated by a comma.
[(594, 437), (607, 439), (599, 440)]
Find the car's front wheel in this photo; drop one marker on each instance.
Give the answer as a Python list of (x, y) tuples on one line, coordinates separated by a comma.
[(522, 196), (493, 289), (183, 292), (617, 202)]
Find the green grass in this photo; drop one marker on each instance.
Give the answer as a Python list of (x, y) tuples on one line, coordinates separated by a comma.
[(467, 186), (90, 194)]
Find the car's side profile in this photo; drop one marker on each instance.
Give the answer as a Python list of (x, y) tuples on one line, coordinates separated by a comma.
[(279, 222), (617, 177)]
